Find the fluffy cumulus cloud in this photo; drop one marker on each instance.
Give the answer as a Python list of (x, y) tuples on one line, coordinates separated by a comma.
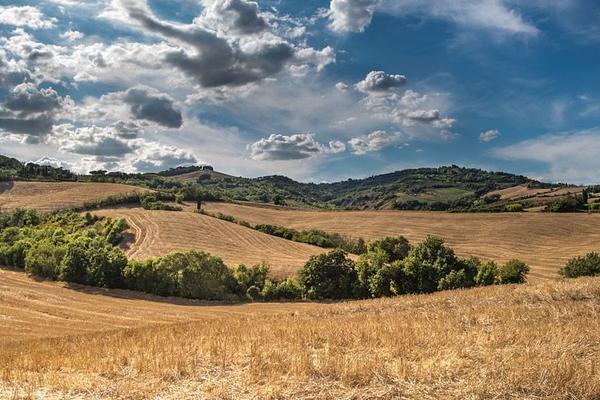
[(489, 135), (351, 15), (292, 147), (25, 16), (230, 44), (151, 107), (374, 141), (379, 81), (568, 156)]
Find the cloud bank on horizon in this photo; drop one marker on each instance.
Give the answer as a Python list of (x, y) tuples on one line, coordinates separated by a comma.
[(317, 90)]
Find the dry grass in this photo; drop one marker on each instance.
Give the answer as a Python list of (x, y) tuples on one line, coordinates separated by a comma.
[(546, 241), (49, 196), (516, 342), (162, 232)]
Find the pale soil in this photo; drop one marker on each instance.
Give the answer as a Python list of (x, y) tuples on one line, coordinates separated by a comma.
[(49, 196), (546, 241), (534, 341), (158, 233)]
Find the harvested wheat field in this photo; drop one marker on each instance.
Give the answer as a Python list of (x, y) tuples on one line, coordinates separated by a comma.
[(158, 233), (49, 196), (536, 341), (544, 240)]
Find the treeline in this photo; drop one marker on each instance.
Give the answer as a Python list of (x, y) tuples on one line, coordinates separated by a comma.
[(11, 169), (315, 237), (78, 248), (147, 200)]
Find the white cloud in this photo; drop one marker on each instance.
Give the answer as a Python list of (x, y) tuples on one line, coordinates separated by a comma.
[(379, 81), (374, 141), (351, 15), (569, 156), (25, 16), (292, 147), (496, 16), (71, 35), (489, 135)]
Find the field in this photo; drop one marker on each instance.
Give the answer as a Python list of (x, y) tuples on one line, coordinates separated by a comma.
[(536, 341), (544, 240), (56, 195), (159, 233)]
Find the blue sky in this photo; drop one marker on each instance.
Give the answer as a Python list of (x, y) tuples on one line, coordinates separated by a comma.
[(316, 90)]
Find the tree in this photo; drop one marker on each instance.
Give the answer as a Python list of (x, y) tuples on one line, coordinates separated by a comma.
[(427, 263), (395, 248), (43, 259), (328, 276), (514, 271)]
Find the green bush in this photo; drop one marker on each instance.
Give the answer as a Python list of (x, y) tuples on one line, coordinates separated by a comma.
[(395, 248), (427, 263), (487, 274), (516, 207), (514, 271), (328, 276), (288, 289), (588, 265), (43, 259)]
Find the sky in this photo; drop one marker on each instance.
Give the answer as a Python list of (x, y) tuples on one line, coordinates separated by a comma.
[(316, 90)]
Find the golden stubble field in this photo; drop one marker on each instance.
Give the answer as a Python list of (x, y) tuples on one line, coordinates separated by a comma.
[(534, 341), (158, 233), (48, 196), (546, 241)]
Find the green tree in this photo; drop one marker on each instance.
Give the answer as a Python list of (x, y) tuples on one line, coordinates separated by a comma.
[(328, 276), (487, 274)]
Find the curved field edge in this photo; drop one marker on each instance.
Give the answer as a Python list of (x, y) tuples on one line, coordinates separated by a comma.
[(536, 341), (49, 196), (546, 241), (158, 233)]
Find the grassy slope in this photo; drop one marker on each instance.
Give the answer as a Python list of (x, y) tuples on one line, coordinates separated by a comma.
[(523, 342), (56, 195), (159, 233)]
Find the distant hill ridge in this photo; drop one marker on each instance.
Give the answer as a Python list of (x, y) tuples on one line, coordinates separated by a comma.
[(441, 188)]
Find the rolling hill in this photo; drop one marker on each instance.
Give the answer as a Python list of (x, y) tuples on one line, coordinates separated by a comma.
[(528, 341), (544, 240), (49, 196), (158, 233)]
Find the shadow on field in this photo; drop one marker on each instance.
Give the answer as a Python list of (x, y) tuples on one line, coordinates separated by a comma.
[(6, 186)]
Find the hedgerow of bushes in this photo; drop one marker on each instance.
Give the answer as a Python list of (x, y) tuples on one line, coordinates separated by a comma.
[(82, 248)]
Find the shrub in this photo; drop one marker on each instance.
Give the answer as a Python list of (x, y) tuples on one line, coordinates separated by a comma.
[(43, 259), (288, 289), (514, 271), (516, 207), (487, 274), (387, 281), (588, 265), (253, 293), (253, 276), (455, 279), (328, 276)]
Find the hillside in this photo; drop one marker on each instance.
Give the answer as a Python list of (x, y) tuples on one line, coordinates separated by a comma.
[(544, 240), (528, 342), (158, 233), (48, 196)]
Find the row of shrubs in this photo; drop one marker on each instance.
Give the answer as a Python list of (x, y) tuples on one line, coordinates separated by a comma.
[(147, 200), (313, 236), (80, 248), (587, 265)]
